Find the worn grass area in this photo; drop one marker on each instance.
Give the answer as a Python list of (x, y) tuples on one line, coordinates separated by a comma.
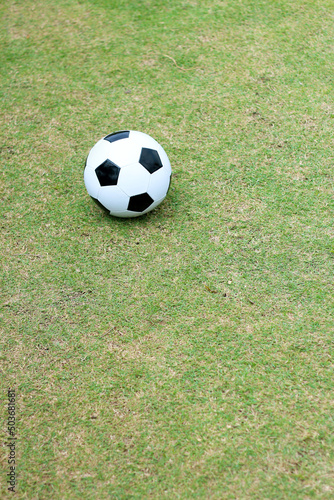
[(186, 354)]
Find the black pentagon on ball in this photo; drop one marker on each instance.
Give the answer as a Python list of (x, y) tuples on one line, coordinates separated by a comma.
[(117, 136), (139, 202), (107, 173), (150, 159)]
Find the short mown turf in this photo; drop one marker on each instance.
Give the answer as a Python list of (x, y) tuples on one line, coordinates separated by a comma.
[(186, 354)]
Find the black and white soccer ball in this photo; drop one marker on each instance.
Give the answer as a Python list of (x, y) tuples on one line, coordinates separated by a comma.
[(128, 173)]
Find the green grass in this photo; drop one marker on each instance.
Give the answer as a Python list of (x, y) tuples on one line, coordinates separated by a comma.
[(186, 354)]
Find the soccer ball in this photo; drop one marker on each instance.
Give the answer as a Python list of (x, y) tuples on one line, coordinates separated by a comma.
[(128, 173)]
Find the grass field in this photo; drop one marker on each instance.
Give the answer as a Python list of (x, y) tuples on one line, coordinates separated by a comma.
[(187, 354)]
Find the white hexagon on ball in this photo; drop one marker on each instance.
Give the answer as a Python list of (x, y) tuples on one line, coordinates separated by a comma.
[(113, 198), (133, 179), (128, 173)]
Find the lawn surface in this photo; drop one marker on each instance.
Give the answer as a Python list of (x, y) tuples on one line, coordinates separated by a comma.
[(187, 354)]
